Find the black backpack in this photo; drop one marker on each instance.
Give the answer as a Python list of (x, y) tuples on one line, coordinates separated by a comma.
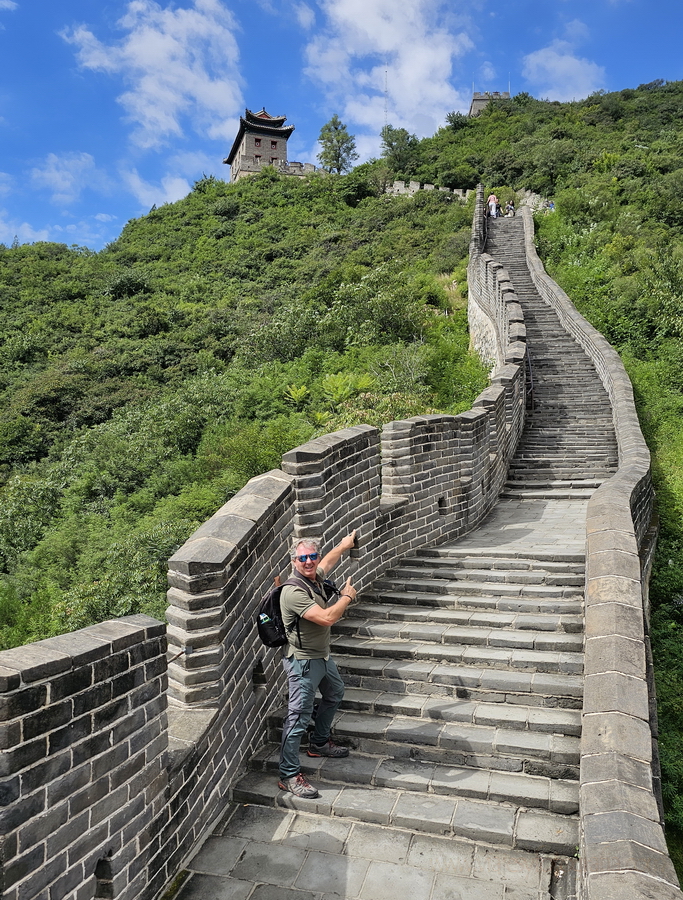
[(271, 628)]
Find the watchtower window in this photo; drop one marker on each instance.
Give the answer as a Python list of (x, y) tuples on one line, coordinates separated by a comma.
[(257, 160), (257, 142), (273, 160), (273, 145)]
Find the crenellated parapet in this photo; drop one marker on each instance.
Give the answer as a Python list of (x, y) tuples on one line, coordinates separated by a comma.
[(623, 852), (410, 188)]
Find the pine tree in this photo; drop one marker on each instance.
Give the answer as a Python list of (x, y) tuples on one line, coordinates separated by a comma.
[(338, 147)]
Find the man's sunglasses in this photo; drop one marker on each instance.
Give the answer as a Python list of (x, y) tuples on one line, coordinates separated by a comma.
[(305, 556)]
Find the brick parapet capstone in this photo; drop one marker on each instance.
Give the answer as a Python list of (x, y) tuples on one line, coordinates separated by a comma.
[(622, 849)]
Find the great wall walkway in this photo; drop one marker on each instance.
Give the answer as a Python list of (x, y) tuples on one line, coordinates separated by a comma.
[(464, 670), (500, 704)]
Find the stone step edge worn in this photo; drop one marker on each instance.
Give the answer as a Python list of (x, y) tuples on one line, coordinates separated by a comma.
[(463, 679), (516, 827), (418, 777), (522, 751)]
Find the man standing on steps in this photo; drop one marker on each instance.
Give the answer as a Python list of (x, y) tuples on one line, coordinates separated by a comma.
[(308, 617)]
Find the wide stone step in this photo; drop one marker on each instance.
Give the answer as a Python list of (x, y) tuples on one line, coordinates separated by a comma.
[(401, 581), (518, 481), (496, 657), (455, 743), (484, 683), (549, 473), (571, 624), (434, 778), (468, 635), (462, 558), (441, 569), (511, 492), (541, 558), (544, 606), (455, 817), (550, 720)]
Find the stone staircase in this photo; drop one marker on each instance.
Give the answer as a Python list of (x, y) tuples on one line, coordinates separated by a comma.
[(464, 662), (568, 447)]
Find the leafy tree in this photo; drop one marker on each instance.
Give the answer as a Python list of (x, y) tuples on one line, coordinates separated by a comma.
[(400, 149), (457, 121), (337, 146)]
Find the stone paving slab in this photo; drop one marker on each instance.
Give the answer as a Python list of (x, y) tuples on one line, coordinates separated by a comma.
[(530, 527), (258, 853)]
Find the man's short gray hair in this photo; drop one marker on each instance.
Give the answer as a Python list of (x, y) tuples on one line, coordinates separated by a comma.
[(308, 542)]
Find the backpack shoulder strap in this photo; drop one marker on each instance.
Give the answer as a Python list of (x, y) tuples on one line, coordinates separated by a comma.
[(297, 580)]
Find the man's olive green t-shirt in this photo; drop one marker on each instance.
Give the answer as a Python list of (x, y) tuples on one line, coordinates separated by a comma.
[(315, 639)]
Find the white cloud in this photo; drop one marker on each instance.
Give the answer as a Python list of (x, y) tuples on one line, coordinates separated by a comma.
[(415, 43), (557, 73), (172, 187), (5, 183), (487, 72), (8, 4), (25, 233), (177, 64), (67, 175), (304, 15)]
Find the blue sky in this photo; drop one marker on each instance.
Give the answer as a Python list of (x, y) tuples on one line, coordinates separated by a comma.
[(109, 107)]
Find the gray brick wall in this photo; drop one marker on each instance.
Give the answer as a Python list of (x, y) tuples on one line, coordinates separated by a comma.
[(83, 739), (623, 852)]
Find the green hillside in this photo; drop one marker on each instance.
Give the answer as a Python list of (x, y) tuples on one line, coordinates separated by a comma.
[(143, 385)]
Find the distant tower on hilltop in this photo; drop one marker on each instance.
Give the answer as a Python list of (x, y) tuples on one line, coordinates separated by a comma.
[(480, 100), (262, 141)]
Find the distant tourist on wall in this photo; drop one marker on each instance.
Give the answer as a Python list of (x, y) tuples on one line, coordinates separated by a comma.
[(308, 615), (494, 205), (510, 208)]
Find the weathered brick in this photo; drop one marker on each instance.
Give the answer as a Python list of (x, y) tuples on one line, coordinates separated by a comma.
[(110, 713), (22, 756), (23, 865), (72, 683), (124, 683), (9, 790), (43, 773), (14, 816), (97, 695), (108, 761), (110, 667), (75, 731), (91, 840), (22, 702), (68, 784), (89, 796), (41, 827)]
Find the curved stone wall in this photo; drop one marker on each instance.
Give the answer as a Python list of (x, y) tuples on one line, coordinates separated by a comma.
[(111, 780), (623, 853)]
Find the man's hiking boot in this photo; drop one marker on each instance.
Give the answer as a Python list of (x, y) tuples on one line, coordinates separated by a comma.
[(330, 749), (298, 785)]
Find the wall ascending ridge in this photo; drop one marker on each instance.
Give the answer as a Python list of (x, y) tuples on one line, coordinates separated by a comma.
[(623, 852), (111, 780)]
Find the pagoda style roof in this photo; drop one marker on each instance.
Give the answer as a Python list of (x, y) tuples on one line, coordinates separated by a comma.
[(261, 122)]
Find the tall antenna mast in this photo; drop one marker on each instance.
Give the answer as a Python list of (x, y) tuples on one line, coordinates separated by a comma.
[(386, 91)]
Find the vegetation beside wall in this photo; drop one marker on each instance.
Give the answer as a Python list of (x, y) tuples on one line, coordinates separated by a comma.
[(144, 385), (141, 386)]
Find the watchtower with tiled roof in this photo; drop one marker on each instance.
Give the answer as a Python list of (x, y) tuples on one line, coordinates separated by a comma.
[(261, 141)]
